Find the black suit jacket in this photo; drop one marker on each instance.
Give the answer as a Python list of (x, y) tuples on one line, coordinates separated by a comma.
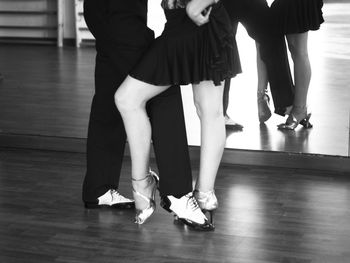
[(253, 14), (120, 29)]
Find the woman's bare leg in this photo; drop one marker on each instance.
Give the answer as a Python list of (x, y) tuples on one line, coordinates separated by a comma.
[(297, 44), (263, 100), (208, 101), (131, 98), (261, 70)]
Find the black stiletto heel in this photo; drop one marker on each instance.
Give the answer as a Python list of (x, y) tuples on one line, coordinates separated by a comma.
[(306, 122), (208, 202), (211, 214)]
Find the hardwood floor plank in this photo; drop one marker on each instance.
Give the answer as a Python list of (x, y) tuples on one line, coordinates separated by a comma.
[(266, 215)]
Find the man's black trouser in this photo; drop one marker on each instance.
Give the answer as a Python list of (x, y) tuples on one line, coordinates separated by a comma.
[(106, 134), (255, 17)]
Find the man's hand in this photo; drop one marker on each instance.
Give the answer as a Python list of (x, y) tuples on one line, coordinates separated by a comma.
[(197, 11)]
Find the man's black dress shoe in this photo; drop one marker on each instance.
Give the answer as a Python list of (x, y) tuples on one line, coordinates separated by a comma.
[(187, 211)]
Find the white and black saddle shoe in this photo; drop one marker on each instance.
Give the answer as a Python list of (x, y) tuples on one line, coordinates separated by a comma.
[(187, 211), (112, 198)]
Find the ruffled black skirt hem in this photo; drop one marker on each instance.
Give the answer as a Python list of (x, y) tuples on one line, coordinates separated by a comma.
[(296, 16), (188, 54)]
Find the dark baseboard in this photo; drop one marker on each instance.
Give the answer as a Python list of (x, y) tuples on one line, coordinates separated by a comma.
[(43, 142), (69, 42), (319, 162), (338, 164), (335, 1), (27, 41)]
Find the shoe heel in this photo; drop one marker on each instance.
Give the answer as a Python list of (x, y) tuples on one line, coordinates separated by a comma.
[(211, 215), (165, 203), (264, 111), (143, 214), (306, 122), (92, 205), (155, 176)]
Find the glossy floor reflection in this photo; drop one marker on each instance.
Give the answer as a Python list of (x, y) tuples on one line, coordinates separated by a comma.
[(266, 215)]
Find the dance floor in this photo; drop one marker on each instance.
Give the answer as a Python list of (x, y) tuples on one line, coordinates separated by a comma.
[(47, 92), (266, 215)]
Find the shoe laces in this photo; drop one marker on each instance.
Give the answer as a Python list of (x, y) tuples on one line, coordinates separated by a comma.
[(116, 196), (114, 192), (192, 202)]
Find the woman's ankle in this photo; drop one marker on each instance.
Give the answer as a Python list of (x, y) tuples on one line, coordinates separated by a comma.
[(298, 109)]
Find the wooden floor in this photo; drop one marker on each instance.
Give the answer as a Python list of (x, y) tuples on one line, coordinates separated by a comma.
[(47, 93), (266, 215)]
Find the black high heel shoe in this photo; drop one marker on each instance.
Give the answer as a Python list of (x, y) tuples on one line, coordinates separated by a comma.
[(208, 202), (299, 115)]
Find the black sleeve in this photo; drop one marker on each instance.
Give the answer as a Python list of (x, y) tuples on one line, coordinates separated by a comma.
[(96, 18)]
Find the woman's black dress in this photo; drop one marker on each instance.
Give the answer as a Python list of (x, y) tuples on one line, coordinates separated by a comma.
[(296, 16), (188, 54)]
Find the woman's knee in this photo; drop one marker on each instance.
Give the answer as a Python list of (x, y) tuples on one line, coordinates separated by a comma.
[(297, 46), (208, 100), (123, 99), (208, 110), (297, 51)]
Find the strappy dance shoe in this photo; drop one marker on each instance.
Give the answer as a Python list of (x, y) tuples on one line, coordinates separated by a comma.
[(264, 111), (142, 214), (298, 115)]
